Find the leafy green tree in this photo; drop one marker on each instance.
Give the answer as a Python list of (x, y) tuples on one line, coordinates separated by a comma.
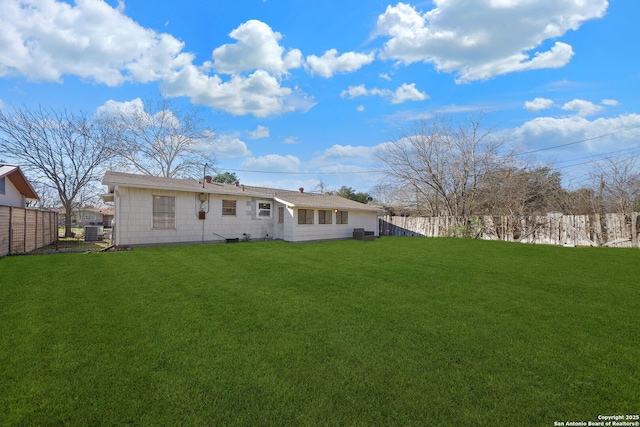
[(349, 193), (226, 178)]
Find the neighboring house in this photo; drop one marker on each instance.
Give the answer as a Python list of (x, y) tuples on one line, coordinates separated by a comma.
[(152, 210), (15, 189), (82, 217), (22, 228)]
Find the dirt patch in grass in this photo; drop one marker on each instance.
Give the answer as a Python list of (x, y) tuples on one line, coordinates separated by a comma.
[(67, 245)]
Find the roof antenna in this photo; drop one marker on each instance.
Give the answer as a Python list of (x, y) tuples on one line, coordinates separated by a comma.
[(204, 175)]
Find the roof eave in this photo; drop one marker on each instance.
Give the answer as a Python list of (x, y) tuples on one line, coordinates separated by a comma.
[(109, 197), (22, 184)]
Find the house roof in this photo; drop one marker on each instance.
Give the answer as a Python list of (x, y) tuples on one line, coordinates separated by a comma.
[(288, 197), (18, 179)]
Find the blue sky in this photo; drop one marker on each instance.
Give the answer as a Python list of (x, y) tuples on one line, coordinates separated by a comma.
[(309, 90)]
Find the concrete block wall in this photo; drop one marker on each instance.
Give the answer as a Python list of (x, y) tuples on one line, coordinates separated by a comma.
[(134, 219)]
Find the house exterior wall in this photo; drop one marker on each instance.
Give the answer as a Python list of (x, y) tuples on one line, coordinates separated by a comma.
[(290, 217), (11, 196), (316, 231), (134, 218), (84, 218)]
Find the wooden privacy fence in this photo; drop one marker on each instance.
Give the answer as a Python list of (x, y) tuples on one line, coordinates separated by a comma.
[(617, 230), (23, 230)]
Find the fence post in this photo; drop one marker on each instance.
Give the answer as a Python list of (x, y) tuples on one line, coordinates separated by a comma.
[(24, 243), (634, 229), (36, 231), (10, 230)]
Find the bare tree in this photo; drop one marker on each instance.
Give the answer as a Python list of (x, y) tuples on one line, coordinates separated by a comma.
[(47, 196), (65, 151), (443, 163), (520, 191), (620, 183), (160, 139), (582, 201)]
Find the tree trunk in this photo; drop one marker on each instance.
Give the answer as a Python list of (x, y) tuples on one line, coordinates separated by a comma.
[(67, 221)]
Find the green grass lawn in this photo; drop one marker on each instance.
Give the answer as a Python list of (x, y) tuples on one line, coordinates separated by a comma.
[(399, 331)]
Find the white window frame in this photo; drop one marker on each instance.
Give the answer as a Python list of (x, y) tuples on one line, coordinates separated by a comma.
[(260, 211), (165, 218)]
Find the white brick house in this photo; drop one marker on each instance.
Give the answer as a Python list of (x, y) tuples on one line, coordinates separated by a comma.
[(152, 210)]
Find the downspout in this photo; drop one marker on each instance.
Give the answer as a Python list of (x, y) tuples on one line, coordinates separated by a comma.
[(115, 229)]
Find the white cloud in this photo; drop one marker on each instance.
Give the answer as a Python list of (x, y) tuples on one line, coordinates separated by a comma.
[(259, 93), (355, 91), (259, 133), (582, 108), (360, 108), (408, 92), (258, 48), (610, 102), (469, 38), (273, 163), (344, 156), (290, 140), (385, 76), (612, 133), (347, 151), (330, 63), (43, 40), (135, 107), (112, 108), (229, 147), (354, 161), (538, 104)]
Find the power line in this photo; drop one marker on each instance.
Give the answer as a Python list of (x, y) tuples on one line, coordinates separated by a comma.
[(576, 142), (516, 154), (629, 149), (598, 157), (298, 173)]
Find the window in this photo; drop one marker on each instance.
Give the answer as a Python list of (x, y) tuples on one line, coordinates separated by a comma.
[(281, 215), (2, 189), (342, 217), (264, 210), (305, 216), (324, 217), (164, 212), (229, 207)]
